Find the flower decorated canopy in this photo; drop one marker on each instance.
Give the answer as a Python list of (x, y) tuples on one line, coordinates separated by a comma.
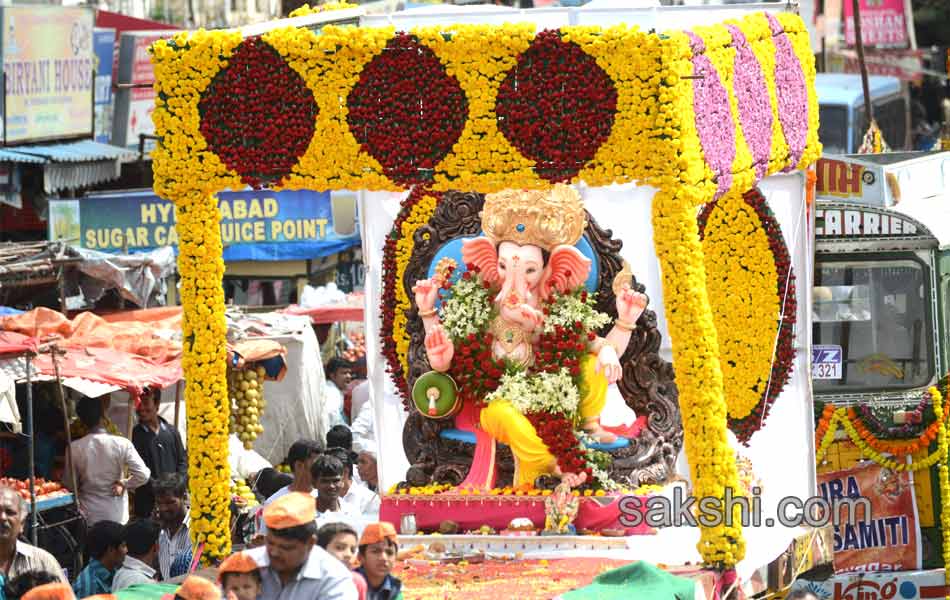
[(699, 115), (483, 108)]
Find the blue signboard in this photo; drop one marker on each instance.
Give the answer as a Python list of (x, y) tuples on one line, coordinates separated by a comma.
[(103, 45), (255, 225)]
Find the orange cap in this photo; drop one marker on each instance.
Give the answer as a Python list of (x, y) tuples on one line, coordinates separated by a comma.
[(240, 562), (290, 510), (50, 591), (198, 588), (376, 532)]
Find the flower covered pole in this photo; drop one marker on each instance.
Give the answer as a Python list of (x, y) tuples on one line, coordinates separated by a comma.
[(205, 368)]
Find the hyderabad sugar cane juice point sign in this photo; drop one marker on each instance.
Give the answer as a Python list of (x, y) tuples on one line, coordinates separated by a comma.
[(254, 225), (454, 115)]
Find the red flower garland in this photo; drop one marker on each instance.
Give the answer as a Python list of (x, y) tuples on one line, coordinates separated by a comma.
[(406, 110), (556, 106), (557, 433), (258, 115), (784, 359)]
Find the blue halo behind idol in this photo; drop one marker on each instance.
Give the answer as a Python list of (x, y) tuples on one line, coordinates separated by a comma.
[(453, 249)]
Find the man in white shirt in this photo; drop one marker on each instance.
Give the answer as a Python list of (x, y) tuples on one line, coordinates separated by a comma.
[(141, 539), (327, 474), (338, 373), (101, 461), (360, 499), (300, 457)]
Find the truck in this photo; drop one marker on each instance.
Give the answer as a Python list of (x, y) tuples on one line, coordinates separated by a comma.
[(842, 116), (880, 322)]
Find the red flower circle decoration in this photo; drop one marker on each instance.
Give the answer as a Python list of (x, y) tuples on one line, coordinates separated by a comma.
[(784, 358), (406, 111), (258, 115), (556, 106)]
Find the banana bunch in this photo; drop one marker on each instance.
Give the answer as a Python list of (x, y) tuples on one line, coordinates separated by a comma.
[(246, 391)]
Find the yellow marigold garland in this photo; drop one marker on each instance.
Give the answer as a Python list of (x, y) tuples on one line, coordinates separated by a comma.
[(741, 275), (942, 450), (204, 363), (421, 212), (712, 461), (306, 9)]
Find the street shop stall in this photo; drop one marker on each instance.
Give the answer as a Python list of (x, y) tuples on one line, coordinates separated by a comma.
[(653, 125), (879, 364)]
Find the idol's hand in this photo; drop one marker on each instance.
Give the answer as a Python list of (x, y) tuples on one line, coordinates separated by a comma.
[(439, 349), (608, 362), (630, 304), (426, 291)]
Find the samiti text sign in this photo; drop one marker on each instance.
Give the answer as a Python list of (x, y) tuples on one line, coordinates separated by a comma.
[(255, 225), (887, 539), (48, 61)]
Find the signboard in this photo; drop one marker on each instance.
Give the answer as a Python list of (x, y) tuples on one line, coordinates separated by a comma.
[(48, 64), (134, 106), (887, 538), (924, 585), (103, 43), (255, 225), (864, 222), (826, 362), (884, 23)]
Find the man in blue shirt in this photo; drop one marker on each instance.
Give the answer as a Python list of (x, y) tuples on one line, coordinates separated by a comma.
[(105, 543)]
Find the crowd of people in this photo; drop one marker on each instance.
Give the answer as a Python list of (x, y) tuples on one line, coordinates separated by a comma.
[(317, 527)]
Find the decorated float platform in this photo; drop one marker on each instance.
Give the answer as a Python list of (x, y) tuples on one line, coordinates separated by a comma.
[(557, 209)]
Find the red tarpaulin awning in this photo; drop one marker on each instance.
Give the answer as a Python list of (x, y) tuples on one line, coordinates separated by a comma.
[(16, 343), (120, 23)]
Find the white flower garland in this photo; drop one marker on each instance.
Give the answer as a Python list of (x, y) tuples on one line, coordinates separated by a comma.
[(468, 310), (539, 392), (568, 309)]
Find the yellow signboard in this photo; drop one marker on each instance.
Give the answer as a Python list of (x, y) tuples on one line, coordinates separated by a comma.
[(48, 71)]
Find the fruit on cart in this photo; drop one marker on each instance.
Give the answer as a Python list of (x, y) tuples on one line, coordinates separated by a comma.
[(246, 392), (356, 347), (240, 490), (44, 489)]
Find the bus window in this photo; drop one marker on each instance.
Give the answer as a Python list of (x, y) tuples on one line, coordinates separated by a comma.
[(876, 312), (833, 129)]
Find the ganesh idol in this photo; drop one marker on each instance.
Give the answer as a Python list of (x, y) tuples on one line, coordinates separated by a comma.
[(522, 296)]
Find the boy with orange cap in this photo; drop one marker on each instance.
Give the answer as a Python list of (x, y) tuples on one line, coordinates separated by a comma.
[(50, 591), (196, 588), (292, 566), (378, 548), (239, 575)]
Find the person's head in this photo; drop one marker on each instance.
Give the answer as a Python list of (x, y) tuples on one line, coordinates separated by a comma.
[(50, 591), (347, 458), (171, 491), (12, 512), (291, 531), (327, 476), (377, 551), (141, 539), (340, 436), (105, 542), (270, 480), (197, 588), (801, 594), (339, 371), (18, 586), (366, 467), (89, 410), (240, 575), (340, 540), (147, 408), (301, 455)]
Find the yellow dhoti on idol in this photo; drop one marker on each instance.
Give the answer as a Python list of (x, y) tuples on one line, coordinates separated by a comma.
[(501, 420)]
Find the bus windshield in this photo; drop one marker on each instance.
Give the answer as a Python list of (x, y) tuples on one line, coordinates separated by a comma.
[(871, 326), (833, 128)]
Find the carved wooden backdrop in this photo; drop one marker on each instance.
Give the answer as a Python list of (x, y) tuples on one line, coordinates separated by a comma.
[(647, 384)]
